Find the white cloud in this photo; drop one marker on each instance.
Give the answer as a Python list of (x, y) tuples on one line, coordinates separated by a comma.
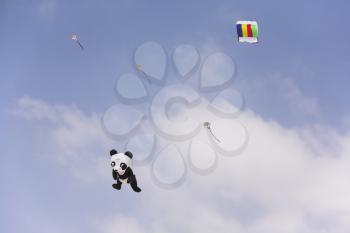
[(73, 138), (279, 172), (121, 224), (287, 180)]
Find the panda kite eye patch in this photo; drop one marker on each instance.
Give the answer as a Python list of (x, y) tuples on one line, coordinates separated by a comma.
[(113, 164)]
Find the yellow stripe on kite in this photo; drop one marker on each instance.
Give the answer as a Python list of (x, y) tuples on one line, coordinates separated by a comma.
[(244, 30)]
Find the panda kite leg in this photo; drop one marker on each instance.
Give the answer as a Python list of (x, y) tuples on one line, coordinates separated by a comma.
[(133, 184), (117, 185)]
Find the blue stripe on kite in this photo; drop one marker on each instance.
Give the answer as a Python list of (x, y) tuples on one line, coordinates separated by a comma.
[(239, 30)]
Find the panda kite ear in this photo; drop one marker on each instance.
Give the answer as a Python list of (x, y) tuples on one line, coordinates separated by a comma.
[(113, 152), (129, 154)]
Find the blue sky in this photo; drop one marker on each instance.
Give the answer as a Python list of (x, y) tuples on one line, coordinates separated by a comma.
[(295, 82), (298, 43)]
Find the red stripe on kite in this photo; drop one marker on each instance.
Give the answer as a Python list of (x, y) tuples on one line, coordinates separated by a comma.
[(249, 29)]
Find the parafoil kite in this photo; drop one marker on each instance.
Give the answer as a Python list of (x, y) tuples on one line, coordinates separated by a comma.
[(247, 31)]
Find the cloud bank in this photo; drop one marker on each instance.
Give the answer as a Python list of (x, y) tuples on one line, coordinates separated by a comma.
[(287, 179)]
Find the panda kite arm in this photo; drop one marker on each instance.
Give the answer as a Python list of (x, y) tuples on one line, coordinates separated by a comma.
[(129, 172), (115, 175), (131, 175)]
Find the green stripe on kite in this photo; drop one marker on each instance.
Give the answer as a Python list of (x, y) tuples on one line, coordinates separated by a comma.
[(255, 30)]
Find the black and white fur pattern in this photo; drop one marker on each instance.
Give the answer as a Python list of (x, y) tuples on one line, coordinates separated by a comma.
[(122, 172)]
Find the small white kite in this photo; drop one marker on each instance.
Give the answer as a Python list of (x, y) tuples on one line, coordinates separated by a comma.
[(75, 38)]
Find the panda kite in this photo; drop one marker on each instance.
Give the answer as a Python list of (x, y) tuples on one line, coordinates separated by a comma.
[(121, 170)]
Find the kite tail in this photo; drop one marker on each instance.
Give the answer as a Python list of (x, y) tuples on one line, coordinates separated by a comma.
[(214, 135), (146, 76), (82, 48)]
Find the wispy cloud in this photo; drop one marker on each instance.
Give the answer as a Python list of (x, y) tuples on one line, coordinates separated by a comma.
[(295, 98), (72, 138), (280, 93)]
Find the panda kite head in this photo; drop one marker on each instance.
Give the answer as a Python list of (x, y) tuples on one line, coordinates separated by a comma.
[(120, 161)]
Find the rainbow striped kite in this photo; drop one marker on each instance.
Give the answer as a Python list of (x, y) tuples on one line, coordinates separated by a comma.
[(247, 31)]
